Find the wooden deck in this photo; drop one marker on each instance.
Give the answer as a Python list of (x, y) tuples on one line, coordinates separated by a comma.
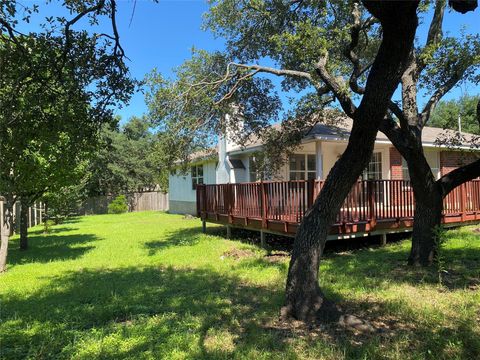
[(372, 207)]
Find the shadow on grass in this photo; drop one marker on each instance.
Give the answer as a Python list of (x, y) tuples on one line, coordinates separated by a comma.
[(46, 248), (155, 308), (182, 237), (55, 230), (362, 266), (200, 313)]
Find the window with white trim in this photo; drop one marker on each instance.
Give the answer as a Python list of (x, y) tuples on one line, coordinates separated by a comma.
[(302, 167), (197, 175), (432, 160), (253, 169), (374, 167)]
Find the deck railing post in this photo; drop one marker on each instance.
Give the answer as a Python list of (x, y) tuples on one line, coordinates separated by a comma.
[(264, 204), (198, 201), (371, 203), (310, 192), (463, 201), (230, 202)]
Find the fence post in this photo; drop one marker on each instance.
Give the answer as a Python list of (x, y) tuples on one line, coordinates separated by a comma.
[(463, 201)]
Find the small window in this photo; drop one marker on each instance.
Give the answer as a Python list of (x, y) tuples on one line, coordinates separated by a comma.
[(197, 176)]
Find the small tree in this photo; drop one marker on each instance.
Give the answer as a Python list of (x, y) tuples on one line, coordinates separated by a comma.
[(58, 88)]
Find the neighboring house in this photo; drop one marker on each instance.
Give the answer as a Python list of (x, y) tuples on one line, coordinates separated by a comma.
[(320, 149)]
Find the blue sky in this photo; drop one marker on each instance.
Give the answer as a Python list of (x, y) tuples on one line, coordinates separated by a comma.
[(161, 35)]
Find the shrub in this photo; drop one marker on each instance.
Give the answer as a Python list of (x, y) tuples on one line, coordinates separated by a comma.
[(118, 205), (47, 224)]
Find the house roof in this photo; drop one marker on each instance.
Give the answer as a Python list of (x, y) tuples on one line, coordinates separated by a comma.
[(338, 129), (341, 131)]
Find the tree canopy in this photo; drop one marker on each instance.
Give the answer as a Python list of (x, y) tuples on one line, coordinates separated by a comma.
[(126, 161), (447, 112)]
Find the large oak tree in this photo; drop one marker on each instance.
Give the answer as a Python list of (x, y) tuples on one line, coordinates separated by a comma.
[(348, 52)]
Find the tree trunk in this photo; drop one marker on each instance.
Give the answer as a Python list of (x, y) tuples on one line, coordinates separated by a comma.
[(304, 298), (24, 225), (6, 223), (428, 216)]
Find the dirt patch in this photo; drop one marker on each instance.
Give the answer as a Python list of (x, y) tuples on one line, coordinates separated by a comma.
[(356, 329), (277, 257), (238, 253), (476, 231)]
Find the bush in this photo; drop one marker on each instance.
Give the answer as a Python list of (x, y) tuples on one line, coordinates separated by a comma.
[(47, 224), (118, 205)]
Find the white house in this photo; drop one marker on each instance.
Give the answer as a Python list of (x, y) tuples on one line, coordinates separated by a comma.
[(320, 149)]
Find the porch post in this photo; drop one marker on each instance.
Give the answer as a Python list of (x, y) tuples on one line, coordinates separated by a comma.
[(318, 160)]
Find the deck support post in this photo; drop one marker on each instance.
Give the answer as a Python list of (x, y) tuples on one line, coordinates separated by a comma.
[(318, 160), (383, 239), (229, 232), (204, 226), (263, 243)]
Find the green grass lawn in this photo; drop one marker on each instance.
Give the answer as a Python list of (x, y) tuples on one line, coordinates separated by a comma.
[(152, 286)]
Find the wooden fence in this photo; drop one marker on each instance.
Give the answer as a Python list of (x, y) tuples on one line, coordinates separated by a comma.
[(36, 214), (137, 201)]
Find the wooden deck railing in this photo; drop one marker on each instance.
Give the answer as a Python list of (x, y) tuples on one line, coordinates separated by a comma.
[(368, 204)]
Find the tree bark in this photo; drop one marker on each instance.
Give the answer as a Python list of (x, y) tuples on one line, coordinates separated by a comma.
[(429, 195), (24, 224), (427, 218), (5, 231), (304, 299)]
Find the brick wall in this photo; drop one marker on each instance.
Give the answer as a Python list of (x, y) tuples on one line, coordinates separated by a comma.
[(450, 160), (395, 164)]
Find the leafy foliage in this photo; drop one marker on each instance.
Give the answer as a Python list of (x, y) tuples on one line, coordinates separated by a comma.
[(57, 90), (229, 93), (446, 114), (127, 160), (118, 205)]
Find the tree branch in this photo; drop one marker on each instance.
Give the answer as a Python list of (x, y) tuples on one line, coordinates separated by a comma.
[(395, 109), (336, 85), (438, 94), (274, 71), (409, 91), (459, 176), (435, 30), (394, 133)]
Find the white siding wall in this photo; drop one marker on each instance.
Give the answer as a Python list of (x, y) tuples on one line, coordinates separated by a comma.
[(180, 186), (240, 175)]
